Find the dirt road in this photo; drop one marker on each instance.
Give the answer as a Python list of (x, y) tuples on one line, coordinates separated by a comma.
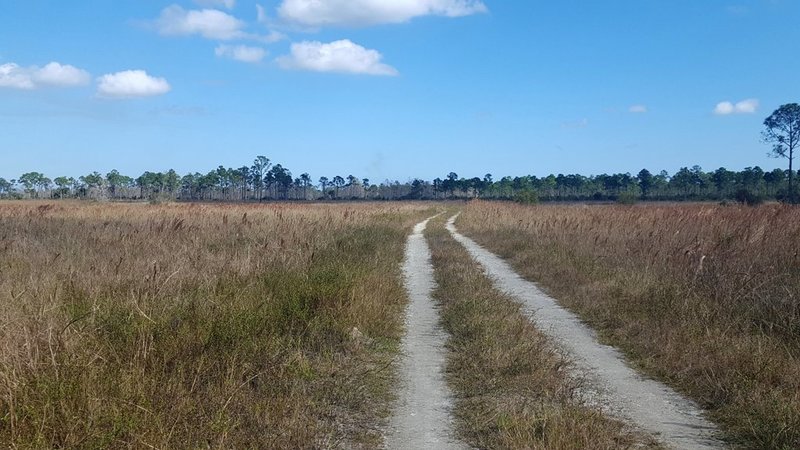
[(647, 404), (422, 418)]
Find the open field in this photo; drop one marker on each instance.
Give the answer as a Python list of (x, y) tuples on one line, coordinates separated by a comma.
[(311, 326), (192, 326), (704, 297)]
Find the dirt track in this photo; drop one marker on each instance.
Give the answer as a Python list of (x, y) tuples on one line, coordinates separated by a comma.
[(422, 418), (647, 404)]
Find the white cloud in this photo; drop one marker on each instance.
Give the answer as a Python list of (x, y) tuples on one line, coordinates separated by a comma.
[(726, 108), (638, 109), (13, 76), (53, 74), (209, 23), (370, 12), (269, 38), (340, 56), (131, 84), (230, 4), (749, 106), (241, 53), (263, 19)]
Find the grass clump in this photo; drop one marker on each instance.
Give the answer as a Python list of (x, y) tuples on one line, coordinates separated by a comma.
[(704, 297), (512, 387)]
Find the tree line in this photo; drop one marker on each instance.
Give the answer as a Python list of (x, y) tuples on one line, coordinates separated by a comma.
[(265, 181)]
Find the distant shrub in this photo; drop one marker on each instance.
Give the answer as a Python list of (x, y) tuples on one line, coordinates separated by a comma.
[(626, 198), (158, 198), (783, 194), (527, 197), (748, 197)]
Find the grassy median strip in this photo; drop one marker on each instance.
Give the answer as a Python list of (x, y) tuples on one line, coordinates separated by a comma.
[(511, 385), (702, 296), (190, 326)]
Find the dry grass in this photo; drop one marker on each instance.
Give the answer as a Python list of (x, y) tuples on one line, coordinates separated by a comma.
[(191, 326), (511, 385), (704, 297)]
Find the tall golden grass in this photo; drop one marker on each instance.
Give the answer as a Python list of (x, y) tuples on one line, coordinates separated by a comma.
[(189, 326), (705, 297)]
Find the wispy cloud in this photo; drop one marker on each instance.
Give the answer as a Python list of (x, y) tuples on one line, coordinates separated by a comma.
[(316, 13), (241, 53), (340, 56), (229, 4), (576, 124), (638, 109), (131, 84), (726, 108), (261, 14), (53, 74), (209, 23)]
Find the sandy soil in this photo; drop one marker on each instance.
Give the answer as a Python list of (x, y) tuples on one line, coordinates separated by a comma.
[(422, 418), (646, 404)]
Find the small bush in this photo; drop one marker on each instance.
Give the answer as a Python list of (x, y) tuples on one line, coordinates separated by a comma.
[(748, 197), (626, 198), (527, 197)]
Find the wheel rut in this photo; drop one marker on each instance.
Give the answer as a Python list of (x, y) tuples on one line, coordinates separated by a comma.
[(422, 418), (613, 385)]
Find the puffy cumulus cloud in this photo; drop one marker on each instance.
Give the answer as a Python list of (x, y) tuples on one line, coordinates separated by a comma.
[(241, 53), (53, 74), (749, 106), (340, 56), (638, 109), (370, 12), (209, 23), (229, 4), (131, 84)]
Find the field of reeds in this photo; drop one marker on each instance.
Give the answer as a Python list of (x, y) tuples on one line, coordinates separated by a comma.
[(702, 296), (508, 378), (198, 326)]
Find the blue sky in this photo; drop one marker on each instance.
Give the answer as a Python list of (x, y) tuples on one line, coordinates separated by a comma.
[(392, 88)]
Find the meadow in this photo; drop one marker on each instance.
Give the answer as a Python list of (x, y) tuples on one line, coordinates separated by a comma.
[(279, 325), (704, 297), (199, 326)]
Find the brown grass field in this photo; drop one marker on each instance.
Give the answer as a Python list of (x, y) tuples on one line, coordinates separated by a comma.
[(704, 297), (232, 326), (196, 326)]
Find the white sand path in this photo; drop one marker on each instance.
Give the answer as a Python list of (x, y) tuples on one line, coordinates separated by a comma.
[(648, 405), (422, 418)]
